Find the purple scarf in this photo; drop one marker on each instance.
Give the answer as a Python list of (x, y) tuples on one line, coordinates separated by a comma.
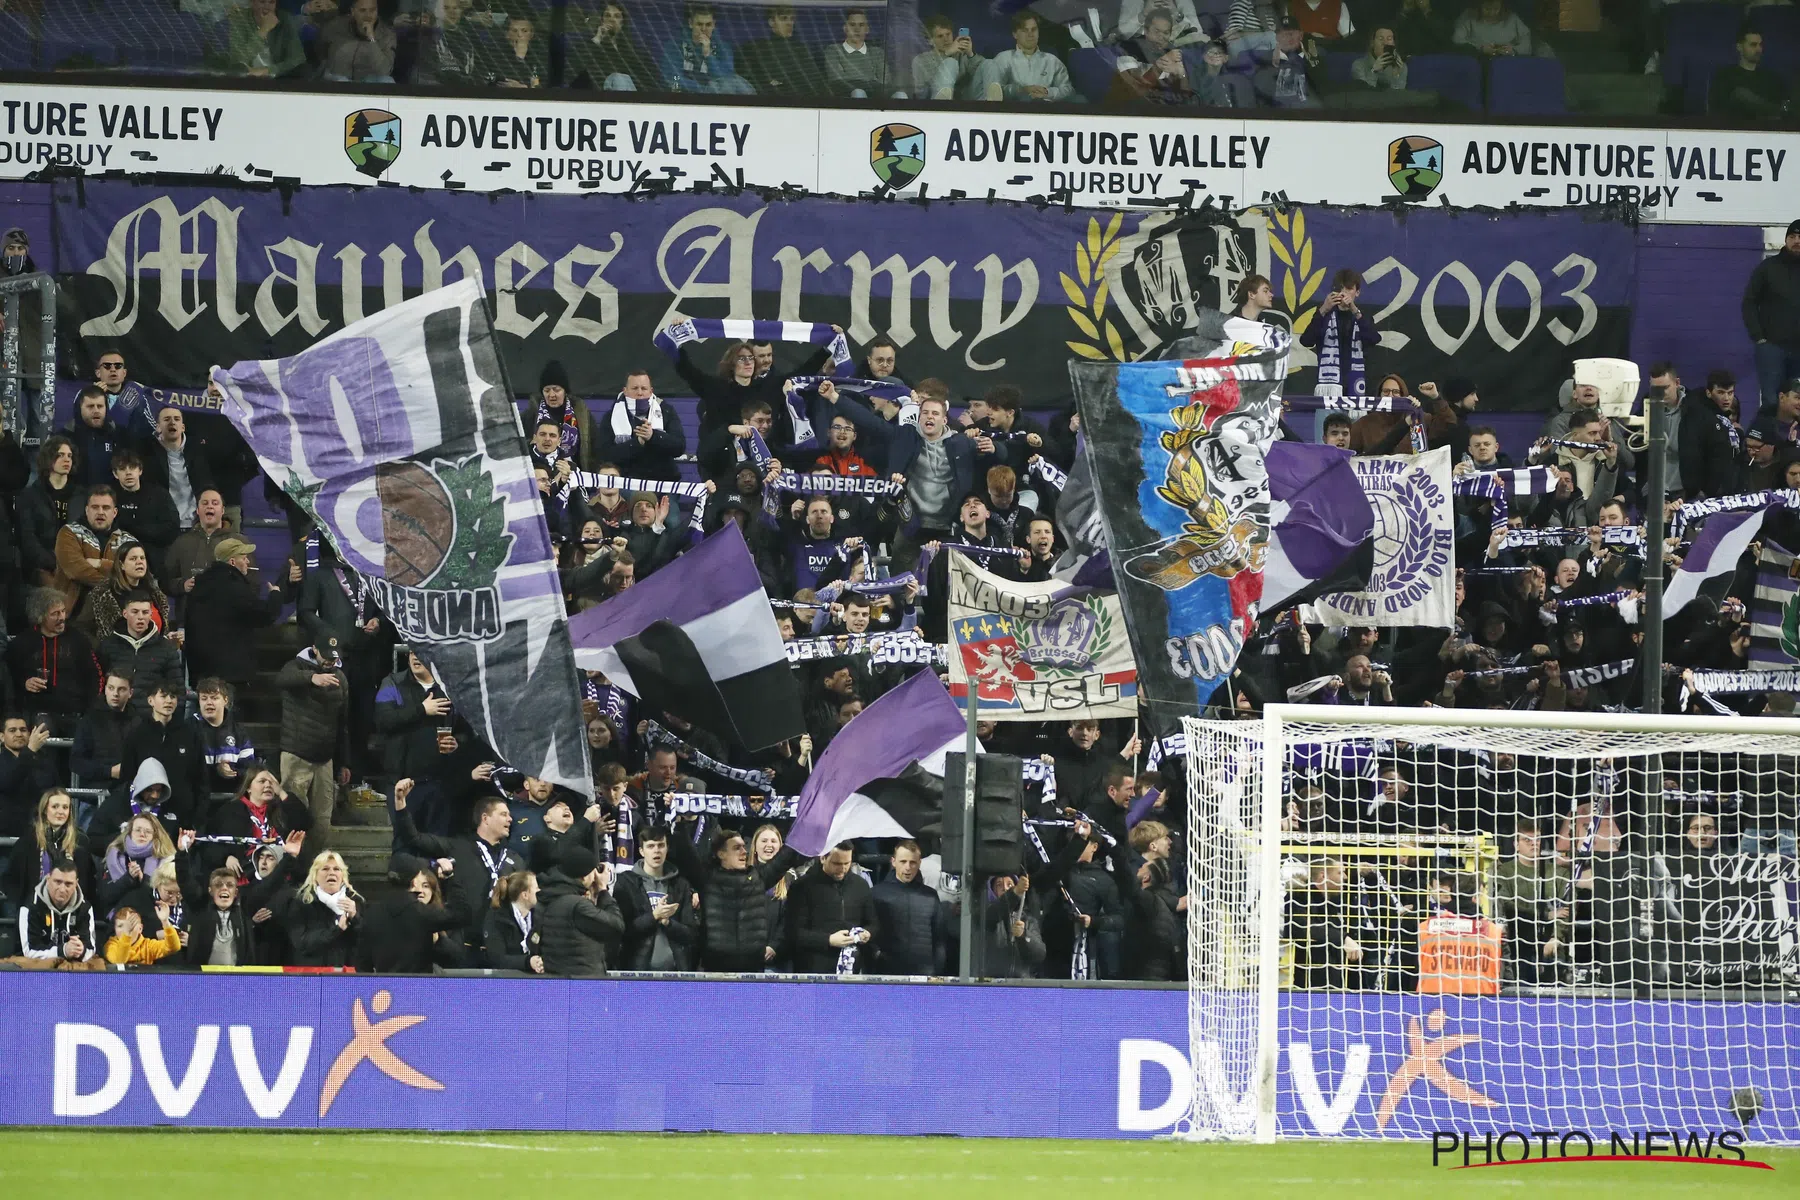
[(144, 856)]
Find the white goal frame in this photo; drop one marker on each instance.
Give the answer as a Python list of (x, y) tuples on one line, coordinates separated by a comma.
[(1259, 1100)]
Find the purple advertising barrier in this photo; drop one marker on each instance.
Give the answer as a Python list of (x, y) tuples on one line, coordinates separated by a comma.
[(973, 293), (988, 1061)]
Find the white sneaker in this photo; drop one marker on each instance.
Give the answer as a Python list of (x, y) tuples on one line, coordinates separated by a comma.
[(995, 93), (1654, 64), (944, 94)]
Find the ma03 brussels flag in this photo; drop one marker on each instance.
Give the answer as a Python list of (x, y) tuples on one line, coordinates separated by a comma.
[(398, 436), (698, 639), (1177, 455)]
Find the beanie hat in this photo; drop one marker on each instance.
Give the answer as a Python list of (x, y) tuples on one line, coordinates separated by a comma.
[(554, 374), (577, 861)]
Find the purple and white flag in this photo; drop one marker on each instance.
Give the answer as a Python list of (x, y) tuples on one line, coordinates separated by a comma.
[(1321, 535), (398, 435), (916, 724), (698, 639), (1715, 552)]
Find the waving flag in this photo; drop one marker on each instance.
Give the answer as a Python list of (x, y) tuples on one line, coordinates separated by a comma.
[(1321, 535), (698, 639), (398, 436), (1177, 455), (908, 730), (1714, 555)]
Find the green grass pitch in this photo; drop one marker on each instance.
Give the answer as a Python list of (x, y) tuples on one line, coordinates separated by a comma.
[(89, 1164)]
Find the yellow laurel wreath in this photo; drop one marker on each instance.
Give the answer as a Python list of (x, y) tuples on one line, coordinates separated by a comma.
[(1299, 282), (1087, 299)]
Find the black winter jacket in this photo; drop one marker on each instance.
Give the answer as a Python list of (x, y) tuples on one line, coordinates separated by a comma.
[(223, 613), (734, 906), (205, 928), (397, 936), (41, 514), (819, 906), (503, 942), (311, 716), (680, 936), (1772, 301), (914, 936), (149, 660), (99, 746), (315, 938), (575, 930)]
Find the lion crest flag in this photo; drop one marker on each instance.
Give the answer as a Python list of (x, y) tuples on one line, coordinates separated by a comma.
[(398, 436), (1177, 451), (1037, 651), (1414, 579)]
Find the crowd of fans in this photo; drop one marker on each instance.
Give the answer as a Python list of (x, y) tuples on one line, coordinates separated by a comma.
[(151, 827), (1188, 53)]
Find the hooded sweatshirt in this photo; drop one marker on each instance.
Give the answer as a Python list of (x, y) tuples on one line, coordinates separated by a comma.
[(116, 812), (43, 927)]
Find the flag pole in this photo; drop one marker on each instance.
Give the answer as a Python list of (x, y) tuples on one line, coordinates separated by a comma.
[(1656, 494), (971, 747)]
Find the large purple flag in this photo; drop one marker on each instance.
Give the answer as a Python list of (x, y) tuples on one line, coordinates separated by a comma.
[(1321, 535), (1715, 552), (397, 436), (918, 723)]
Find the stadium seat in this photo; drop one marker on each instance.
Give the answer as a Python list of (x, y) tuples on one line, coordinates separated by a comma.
[(1454, 77), (1338, 64), (1528, 86), (1092, 71), (1704, 31), (1780, 27), (17, 51)]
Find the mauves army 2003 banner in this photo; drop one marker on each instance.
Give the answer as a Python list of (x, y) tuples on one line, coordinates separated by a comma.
[(973, 293), (396, 435)]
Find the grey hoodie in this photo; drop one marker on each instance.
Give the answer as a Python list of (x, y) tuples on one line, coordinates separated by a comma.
[(150, 774)]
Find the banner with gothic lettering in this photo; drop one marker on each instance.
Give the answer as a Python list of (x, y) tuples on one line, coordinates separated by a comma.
[(1177, 454), (397, 436), (972, 292)]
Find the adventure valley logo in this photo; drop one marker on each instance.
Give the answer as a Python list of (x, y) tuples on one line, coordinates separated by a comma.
[(445, 539), (897, 154), (1415, 166), (372, 140)]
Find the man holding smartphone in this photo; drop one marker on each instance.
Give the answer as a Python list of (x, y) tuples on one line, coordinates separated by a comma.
[(951, 70)]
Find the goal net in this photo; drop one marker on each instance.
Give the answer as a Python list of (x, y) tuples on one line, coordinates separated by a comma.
[(1410, 920)]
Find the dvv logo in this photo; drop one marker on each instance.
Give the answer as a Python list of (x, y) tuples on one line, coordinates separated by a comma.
[(897, 154), (84, 1087), (372, 140), (1415, 166)]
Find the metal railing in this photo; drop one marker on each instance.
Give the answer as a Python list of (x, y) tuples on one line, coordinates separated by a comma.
[(12, 359)]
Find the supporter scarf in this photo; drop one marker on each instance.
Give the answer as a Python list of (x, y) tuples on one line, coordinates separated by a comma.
[(1496, 570), (1070, 823), (893, 585), (1698, 510), (670, 340), (1415, 434), (659, 736), (624, 836), (1603, 673), (904, 646), (1346, 403), (1622, 536), (1079, 967), (588, 481), (312, 551), (1560, 536), (1731, 431), (848, 485), (1567, 444), (614, 703), (1312, 686), (1173, 746), (627, 414), (1498, 672), (1333, 378), (1726, 683), (261, 827), (1044, 774), (332, 900), (755, 451), (358, 596), (144, 856), (570, 436), (1525, 481), (774, 808), (1043, 469), (984, 554), (1606, 782), (846, 963), (1607, 598), (895, 393)]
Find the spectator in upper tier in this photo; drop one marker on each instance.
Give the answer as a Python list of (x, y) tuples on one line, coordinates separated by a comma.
[(522, 60), (1749, 91), (856, 66), (1250, 25), (1771, 311), (1419, 29), (611, 59), (951, 70), (645, 433), (1028, 73), (453, 49), (1294, 74), (264, 41), (1326, 19), (780, 64), (701, 61), (1184, 22), (359, 47), (1151, 68), (1492, 29), (1381, 68)]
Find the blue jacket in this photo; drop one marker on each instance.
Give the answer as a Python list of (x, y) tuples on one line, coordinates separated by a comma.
[(902, 444)]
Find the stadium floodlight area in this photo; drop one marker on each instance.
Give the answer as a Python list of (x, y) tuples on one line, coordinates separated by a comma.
[(1623, 887)]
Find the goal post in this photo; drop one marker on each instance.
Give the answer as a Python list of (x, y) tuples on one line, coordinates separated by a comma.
[(1593, 911)]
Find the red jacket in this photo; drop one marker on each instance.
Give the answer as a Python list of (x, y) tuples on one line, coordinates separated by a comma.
[(847, 462)]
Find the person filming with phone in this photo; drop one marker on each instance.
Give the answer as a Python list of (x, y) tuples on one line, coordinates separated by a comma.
[(1342, 335), (1382, 68)]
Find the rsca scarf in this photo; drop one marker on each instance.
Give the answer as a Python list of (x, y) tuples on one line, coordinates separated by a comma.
[(1336, 376), (628, 414), (670, 340), (570, 443)]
